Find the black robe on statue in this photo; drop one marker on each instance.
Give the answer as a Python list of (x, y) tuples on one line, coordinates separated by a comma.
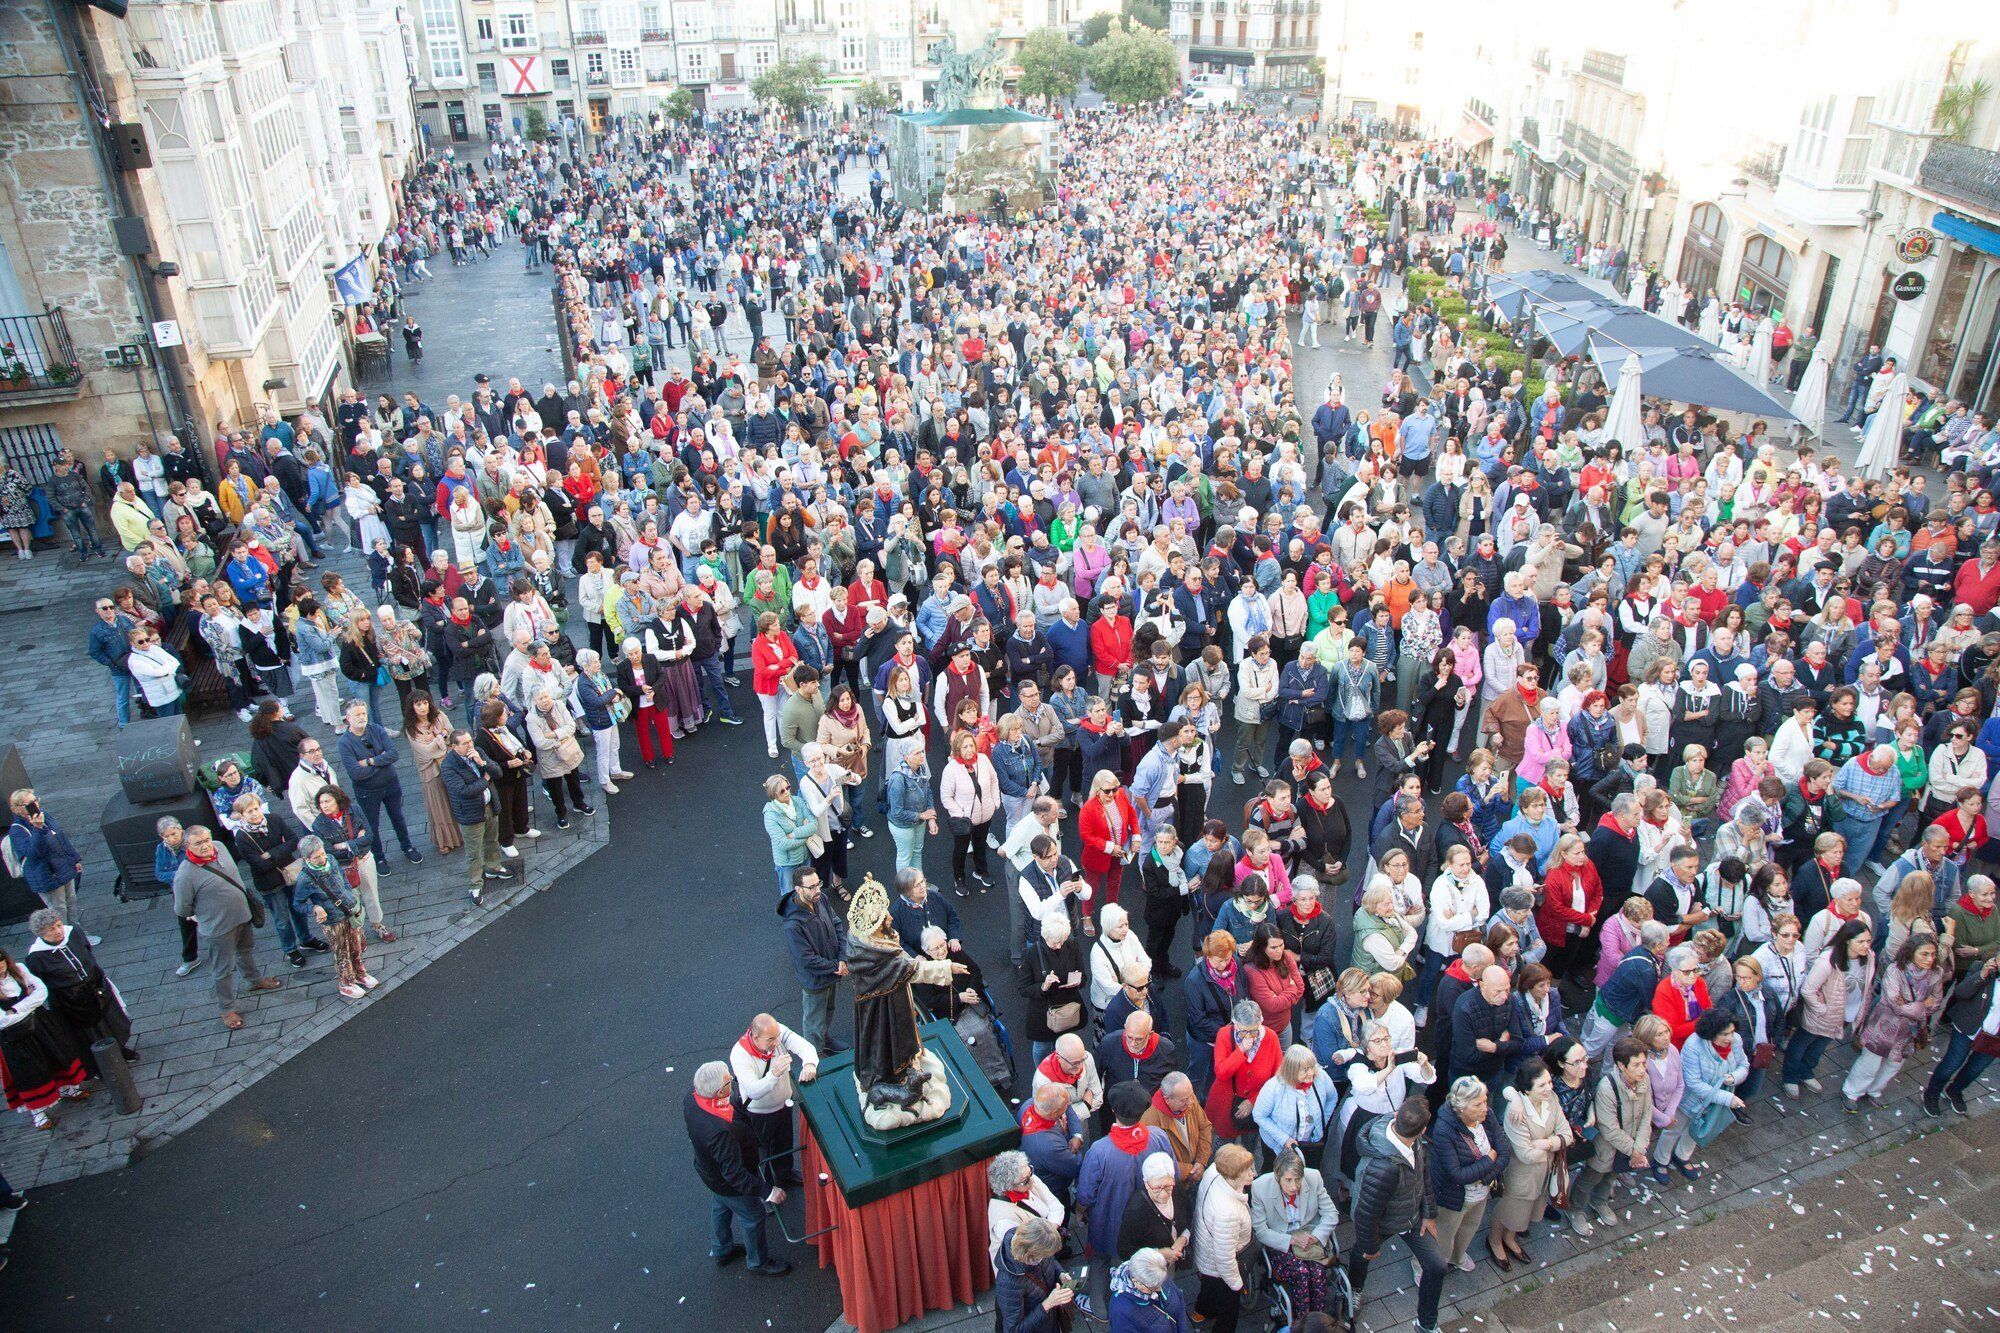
[(886, 1045)]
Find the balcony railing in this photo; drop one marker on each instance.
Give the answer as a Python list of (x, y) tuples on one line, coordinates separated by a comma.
[(1531, 131), (36, 356), (590, 36), (596, 79), (1765, 164), (1962, 173), (1603, 65)]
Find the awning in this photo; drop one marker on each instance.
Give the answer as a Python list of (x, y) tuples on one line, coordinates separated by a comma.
[(1967, 232), (1472, 133), (1692, 372)]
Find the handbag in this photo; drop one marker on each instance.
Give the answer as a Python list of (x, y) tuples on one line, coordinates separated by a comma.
[(1319, 983), (255, 902), (1460, 939), (1763, 1055), (1065, 1017), (353, 872), (961, 827), (1559, 1178)]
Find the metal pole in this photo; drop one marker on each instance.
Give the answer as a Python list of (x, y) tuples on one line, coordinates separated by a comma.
[(1872, 216)]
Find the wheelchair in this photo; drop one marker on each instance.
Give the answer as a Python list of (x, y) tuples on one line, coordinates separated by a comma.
[(1270, 1295)]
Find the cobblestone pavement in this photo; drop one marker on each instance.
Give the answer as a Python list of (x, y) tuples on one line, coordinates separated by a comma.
[(189, 1063)]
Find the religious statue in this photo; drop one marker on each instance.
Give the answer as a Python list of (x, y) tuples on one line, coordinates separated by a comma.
[(899, 1082), (967, 79)]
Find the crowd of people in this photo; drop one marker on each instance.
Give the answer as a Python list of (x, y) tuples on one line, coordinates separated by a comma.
[(1508, 805)]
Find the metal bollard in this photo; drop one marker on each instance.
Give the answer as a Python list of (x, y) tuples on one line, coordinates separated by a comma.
[(117, 1074)]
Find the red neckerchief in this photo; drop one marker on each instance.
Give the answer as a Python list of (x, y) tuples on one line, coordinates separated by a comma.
[(1303, 917), (750, 1048), (1130, 1139), (1832, 871), (458, 619), (1033, 1123), (1838, 915), (1152, 1044), (214, 855), (1965, 901), (1722, 1048), (1051, 1069), (1015, 1196), (1555, 793), (717, 1106), (1317, 806), (1457, 969), (1530, 695), (1161, 1105)]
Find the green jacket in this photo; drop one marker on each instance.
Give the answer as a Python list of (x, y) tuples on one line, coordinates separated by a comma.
[(1976, 932)]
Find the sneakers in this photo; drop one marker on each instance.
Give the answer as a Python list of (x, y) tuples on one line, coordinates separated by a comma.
[(562, 822), (296, 958), (771, 750), (1360, 769), (369, 982), (1263, 772), (1606, 1214), (184, 969), (532, 832), (478, 898), (350, 991), (1792, 1091), (415, 858), (621, 775), (1579, 1223), (499, 875), (1932, 1109), (1957, 1100), (1813, 1085), (319, 946), (586, 809), (1236, 776), (865, 831), (608, 788), (505, 851), (731, 720), (1689, 1171)]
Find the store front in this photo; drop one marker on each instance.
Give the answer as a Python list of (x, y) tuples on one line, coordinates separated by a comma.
[(1961, 355), (1765, 277), (1701, 249)]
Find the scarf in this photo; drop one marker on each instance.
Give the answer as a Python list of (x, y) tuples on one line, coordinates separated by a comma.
[(1965, 901), (1160, 1105), (1051, 1069), (1015, 1196), (717, 1106), (750, 1049), (213, 856), (1130, 1139), (1032, 1122), (1224, 977), (1301, 916)]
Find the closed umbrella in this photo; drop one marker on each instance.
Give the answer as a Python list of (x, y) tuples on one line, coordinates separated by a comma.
[(1626, 422), (1710, 328), (1677, 302), (1636, 293), (1884, 441), (1758, 367), (1809, 405)]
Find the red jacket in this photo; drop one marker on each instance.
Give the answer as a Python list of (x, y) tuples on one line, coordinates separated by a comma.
[(1110, 644), (1093, 829), (770, 659), (1556, 914), (1670, 1004), (1238, 1078), (1978, 589)]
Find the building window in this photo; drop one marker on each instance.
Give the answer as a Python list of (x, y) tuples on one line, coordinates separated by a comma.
[(694, 64), (517, 31), (559, 73), (691, 22), (625, 67), (853, 53), (894, 55), (1701, 252), (489, 81), (593, 67), (1766, 276), (441, 39), (485, 30)]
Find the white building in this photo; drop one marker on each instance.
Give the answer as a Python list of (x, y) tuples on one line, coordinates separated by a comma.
[(1252, 43), (279, 132)]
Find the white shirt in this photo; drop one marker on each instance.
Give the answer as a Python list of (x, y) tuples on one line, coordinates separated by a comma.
[(763, 1092)]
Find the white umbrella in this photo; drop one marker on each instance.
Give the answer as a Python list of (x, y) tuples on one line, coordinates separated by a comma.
[(1711, 323), (1636, 293), (1809, 404), (1626, 422), (1677, 301), (1759, 366), (1884, 440)]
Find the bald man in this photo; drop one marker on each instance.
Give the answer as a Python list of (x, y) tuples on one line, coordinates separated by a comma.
[(1138, 1052), (762, 1063), (1485, 1032)]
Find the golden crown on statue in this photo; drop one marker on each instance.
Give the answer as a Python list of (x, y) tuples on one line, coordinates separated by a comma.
[(869, 911)]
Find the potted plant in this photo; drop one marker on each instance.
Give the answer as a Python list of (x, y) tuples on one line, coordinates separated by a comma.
[(13, 370), (64, 372)]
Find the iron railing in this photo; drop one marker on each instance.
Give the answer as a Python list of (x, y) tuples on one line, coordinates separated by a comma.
[(36, 355), (1603, 65), (1963, 173)]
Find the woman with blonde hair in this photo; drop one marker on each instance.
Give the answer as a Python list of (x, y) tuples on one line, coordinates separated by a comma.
[(1910, 913), (1222, 1230)]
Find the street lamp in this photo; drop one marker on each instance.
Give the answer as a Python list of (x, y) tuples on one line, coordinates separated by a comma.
[(1869, 216)]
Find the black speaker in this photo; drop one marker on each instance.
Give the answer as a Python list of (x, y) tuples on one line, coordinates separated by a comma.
[(16, 898), (156, 759), (134, 236), (131, 831), (128, 141)]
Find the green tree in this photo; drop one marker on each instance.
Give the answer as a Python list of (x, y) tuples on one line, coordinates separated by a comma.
[(1133, 65), (1051, 65), (875, 97), (1144, 13), (794, 85), (537, 122), (679, 105)]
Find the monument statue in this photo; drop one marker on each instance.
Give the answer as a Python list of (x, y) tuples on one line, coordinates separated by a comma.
[(899, 1082), (967, 79)]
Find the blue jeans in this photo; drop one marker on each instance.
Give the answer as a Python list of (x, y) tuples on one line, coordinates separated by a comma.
[(785, 874), (729, 1213), (817, 1022), (373, 803), (1802, 1055), (709, 672), (1890, 820), (121, 689), (1956, 1069), (1350, 732), (1860, 834), (1427, 979), (82, 532), (292, 926), (370, 694)]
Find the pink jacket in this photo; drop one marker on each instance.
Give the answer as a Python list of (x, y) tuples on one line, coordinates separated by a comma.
[(1824, 996), (1668, 1084), (1538, 748), (1465, 663), (1614, 945), (1087, 567)]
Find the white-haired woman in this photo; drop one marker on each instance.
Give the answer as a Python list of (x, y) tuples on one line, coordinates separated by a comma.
[(1017, 1195), (604, 707), (1117, 948), (552, 729)]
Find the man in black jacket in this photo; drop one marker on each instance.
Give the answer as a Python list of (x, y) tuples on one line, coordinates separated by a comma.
[(1137, 1053), (1392, 1197), (468, 785), (813, 935), (725, 1157)]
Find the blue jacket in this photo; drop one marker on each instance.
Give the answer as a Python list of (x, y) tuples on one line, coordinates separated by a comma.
[(1018, 766), (1299, 689), (910, 919), (1050, 1156), (1109, 1179), (596, 702), (1453, 1163), (372, 745), (466, 786), (1533, 1043), (814, 939), (1017, 1300), (48, 858), (167, 863), (1165, 1311), (1525, 612), (909, 795), (109, 646), (1628, 991), (1285, 1114), (1208, 1006)]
